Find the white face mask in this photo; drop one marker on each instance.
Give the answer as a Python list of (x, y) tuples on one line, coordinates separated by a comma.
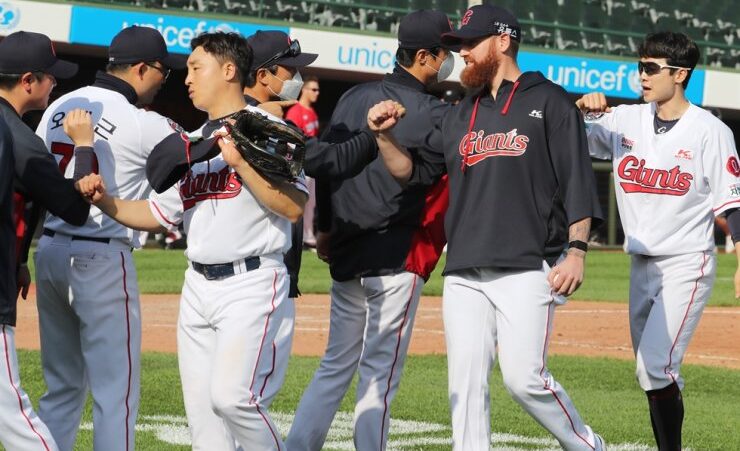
[(291, 88), (445, 69)]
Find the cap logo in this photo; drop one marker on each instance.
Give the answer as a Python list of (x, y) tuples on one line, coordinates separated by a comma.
[(466, 18)]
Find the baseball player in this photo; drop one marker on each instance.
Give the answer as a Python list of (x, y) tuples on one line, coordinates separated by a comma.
[(522, 200), (385, 241), (274, 75), (304, 116), (237, 223), (675, 168), (29, 69), (87, 293)]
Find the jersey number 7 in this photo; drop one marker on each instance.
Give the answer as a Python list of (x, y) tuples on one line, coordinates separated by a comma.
[(67, 151)]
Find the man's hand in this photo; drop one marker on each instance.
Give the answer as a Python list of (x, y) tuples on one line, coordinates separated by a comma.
[(567, 276), (322, 246), (23, 281), (92, 188), (384, 115), (594, 102), (78, 126), (277, 107), (229, 152)]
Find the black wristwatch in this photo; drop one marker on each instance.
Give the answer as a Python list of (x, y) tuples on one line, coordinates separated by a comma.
[(578, 244)]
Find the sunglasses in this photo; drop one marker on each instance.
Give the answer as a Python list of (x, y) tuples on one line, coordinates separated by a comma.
[(164, 71), (651, 68), (293, 50)]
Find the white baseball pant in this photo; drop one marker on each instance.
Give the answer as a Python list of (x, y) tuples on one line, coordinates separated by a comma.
[(90, 325), (370, 328), (232, 353), (667, 298), (20, 428), (483, 308)]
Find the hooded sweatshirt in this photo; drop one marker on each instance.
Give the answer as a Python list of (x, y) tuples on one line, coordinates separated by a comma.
[(519, 174)]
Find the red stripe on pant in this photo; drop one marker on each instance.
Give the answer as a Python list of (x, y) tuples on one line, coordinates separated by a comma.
[(17, 393), (259, 355), (395, 359), (547, 387)]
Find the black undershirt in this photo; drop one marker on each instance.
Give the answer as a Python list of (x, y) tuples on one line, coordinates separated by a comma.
[(660, 126)]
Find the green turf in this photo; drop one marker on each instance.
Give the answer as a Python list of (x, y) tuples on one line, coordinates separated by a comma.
[(607, 276), (604, 390)]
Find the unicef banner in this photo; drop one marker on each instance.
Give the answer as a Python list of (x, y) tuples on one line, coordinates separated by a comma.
[(613, 78), (97, 26), (48, 18)]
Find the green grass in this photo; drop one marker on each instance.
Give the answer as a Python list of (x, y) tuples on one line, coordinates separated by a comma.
[(607, 276), (604, 390)]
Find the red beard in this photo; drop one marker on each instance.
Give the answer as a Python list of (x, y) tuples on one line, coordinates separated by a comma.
[(480, 74)]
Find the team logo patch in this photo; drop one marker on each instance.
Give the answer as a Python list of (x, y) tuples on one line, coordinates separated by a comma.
[(636, 178), (536, 114), (627, 144), (684, 154), (466, 18), (478, 146), (733, 167), (735, 190)]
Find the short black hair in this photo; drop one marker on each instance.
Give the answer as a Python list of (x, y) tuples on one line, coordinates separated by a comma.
[(10, 81), (405, 57), (677, 48), (225, 47), (251, 78), (113, 68)]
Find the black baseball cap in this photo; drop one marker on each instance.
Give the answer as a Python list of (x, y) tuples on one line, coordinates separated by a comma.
[(24, 51), (423, 29), (142, 44), (267, 45), (481, 21)]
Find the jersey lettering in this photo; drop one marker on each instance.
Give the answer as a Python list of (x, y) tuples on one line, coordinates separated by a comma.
[(639, 179), (105, 128), (67, 151), (479, 147), (223, 184)]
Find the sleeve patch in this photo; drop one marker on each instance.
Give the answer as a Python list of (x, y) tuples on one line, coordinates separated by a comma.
[(733, 167)]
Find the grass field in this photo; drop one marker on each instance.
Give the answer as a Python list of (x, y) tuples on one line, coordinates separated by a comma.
[(607, 276), (603, 389)]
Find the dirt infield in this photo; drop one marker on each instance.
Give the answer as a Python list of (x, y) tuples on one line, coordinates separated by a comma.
[(581, 328)]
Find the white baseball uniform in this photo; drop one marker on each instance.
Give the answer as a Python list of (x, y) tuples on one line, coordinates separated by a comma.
[(88, 298), (231, 346), (669, 188)]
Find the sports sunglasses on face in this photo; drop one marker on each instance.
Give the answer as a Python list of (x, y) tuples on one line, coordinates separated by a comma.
[(165, 71), (651, 68), (293, 50)]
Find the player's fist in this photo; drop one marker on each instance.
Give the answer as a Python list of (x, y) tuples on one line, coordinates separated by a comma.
[(92, 188), (384, 115), (78, 125), (594, 102)]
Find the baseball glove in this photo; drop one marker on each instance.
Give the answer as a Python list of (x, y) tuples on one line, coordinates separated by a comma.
[(273, 149)]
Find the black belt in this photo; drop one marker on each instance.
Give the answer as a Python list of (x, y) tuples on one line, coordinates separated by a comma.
[(51, 233), (223, 270)]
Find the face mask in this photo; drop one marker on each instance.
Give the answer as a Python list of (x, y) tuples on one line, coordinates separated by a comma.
[(291, 88), (445, 69)]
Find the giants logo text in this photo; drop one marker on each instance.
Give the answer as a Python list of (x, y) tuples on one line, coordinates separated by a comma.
[(211, 185), (479, 147), (639, 179)]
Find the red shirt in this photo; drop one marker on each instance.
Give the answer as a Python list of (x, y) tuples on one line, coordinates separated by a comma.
[(305, 118)]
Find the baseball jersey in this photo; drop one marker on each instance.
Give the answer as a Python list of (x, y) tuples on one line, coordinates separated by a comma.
[(223, 221), (124, 137), (305, 118), (669, 186)]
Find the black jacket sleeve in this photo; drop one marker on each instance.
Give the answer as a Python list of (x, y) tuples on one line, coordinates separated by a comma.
[(40, 179), (568, 146), (7, 233), (429, 160), (173, 156), (340, 160)]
